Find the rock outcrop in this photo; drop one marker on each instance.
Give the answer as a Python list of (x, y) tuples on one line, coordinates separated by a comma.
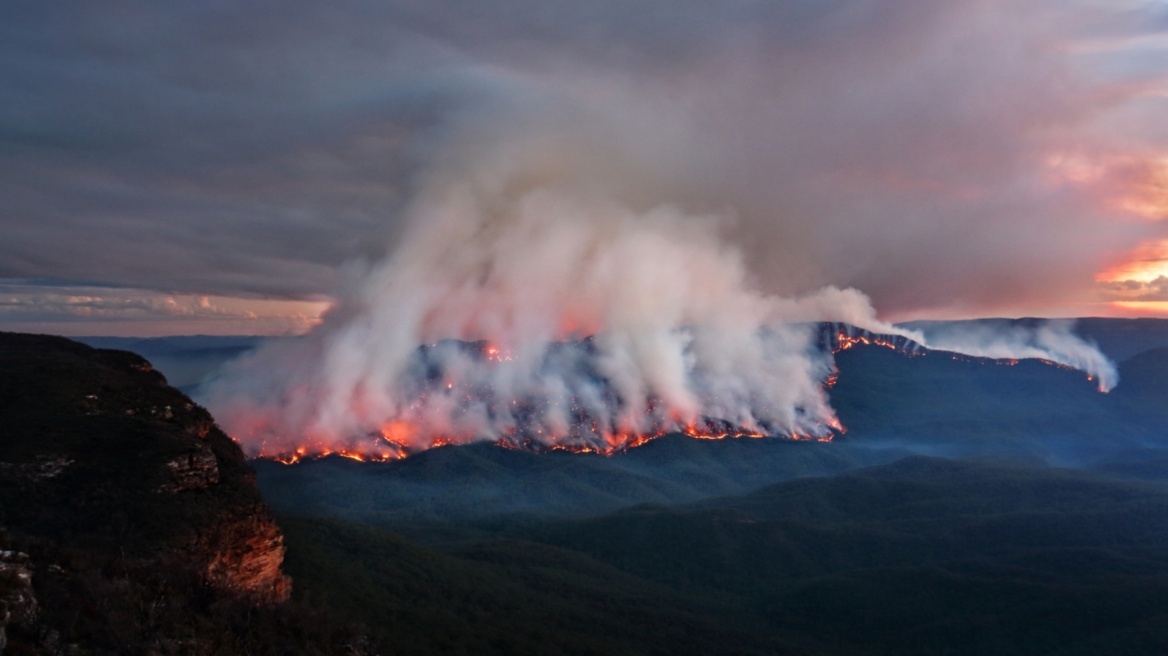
[(122, 505), (246, 554), (18, 604), (193, 470)]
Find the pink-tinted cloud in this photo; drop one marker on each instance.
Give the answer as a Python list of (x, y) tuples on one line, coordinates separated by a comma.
[(922, 152), (87, 310)]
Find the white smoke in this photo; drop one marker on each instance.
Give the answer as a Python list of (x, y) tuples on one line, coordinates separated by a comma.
[(1047, 340), (673, 317), (526, 236)]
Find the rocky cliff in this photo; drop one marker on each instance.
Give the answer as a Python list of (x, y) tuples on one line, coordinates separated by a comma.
[(124, 510)]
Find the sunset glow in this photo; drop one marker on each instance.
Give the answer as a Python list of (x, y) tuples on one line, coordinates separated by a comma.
[(1145, 264), (1138, 285), (1143, 308)]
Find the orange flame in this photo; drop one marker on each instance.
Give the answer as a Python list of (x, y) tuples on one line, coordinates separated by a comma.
[(397, 433)]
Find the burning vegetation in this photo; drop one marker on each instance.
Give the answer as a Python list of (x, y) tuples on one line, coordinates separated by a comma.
[(533, 424)]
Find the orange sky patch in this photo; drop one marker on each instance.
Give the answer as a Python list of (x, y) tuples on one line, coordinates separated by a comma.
[(1142, 308), (1145, 264)]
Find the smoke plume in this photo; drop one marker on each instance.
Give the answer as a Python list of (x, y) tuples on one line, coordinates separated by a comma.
[(544, 290), (1048, 340)]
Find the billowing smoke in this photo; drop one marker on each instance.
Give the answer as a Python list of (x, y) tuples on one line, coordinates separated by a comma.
[(544, 291), (1049, 340)]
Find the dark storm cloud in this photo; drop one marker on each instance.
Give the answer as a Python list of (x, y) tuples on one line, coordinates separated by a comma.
[(201, 150), (900, 147)]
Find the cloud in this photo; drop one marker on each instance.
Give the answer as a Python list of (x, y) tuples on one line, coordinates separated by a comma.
[(1138, 290), (38, 306), (896, 147)]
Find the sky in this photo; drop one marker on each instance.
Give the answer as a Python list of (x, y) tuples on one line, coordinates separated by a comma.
[(234, 168)]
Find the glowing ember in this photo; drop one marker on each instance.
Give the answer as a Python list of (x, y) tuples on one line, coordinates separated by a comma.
[(495, 354)]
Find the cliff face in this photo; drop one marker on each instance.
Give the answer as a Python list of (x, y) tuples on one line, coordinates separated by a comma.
[(246, 552), (114, 484)]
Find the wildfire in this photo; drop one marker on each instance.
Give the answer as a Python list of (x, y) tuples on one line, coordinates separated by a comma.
[(622, 442), (841, 337), (287, 458), (845, 338), (401, 437), (494, 354), (1005, 362), (847, 341), (303, 455), (396, 435)]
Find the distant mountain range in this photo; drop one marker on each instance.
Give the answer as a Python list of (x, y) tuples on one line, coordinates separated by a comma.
[(188, 360)]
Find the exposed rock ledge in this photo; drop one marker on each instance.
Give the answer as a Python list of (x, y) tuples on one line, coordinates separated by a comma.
[(18, 604), (118, 487), (247, 553)]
